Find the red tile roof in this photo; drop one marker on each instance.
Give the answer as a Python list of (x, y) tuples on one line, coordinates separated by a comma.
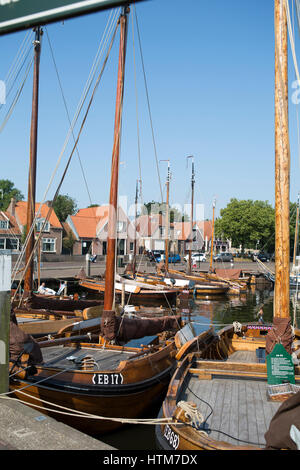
[(21, 213), (13, 226), (89, 221)]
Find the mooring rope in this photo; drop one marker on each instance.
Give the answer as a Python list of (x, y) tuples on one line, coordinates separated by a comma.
[(82, 414)]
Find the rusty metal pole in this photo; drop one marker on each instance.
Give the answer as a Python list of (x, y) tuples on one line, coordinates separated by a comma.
[(282, 167), (113, 199), (28, 279)]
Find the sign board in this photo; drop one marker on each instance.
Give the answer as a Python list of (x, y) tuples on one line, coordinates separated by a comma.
[(16, 15), (5, 272), (280, 367)]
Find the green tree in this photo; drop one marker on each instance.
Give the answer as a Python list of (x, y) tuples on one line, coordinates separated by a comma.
[(68, 242), (248, 223), (64, 206), (8, 191), (160, 208)]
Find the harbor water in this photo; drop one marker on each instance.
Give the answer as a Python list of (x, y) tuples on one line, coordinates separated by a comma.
[(205, 313)]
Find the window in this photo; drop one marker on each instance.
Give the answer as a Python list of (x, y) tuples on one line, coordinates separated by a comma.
[(121, 227), (9, 244), (39, 225), (4, 224), (12, 244), (49, 245), (131, 246)]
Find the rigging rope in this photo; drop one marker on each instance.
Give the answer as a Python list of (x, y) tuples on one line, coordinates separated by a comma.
[(83, 98), (67, 112), (148, 103), (71, 155)]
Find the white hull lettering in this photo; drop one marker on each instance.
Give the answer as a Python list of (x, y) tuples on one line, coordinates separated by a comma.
[(107, 379), (171, 437)]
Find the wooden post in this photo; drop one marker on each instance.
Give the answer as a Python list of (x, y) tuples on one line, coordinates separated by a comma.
[(5, 281), (28, 279), (282, 167), (123, 295), (87, 265), (113, 199)]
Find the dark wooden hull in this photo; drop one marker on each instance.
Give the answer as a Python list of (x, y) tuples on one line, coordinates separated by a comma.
[(143, 297), (55, 303), (144, 381)]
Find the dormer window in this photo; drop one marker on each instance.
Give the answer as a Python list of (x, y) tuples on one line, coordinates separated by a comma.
[(4, 224), (41, 227), (121, 226)]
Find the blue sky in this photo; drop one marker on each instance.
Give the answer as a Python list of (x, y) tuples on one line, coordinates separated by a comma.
[(210, 75)]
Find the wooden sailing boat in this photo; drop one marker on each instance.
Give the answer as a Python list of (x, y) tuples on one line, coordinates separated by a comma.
[(104, 376), (135, 291), (224, 397)]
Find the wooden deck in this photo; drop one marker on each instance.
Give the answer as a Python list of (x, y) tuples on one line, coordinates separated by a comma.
[(240, 405), (65, 357)]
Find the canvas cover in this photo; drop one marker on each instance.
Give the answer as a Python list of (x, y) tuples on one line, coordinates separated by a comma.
[(278, 435), (228, 273), (280, 333), (17, 340), (125, 329)]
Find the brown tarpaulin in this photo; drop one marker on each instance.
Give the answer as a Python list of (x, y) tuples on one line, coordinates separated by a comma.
[(278, 434), (17, 340), (280, 333), (125, 329), (228, 273)]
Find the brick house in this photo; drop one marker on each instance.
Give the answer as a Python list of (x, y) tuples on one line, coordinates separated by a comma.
[(10, 234), (152, 233), (51, 239), (89, 227)]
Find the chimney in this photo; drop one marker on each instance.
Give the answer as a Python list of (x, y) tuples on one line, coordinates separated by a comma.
[(13, 206)]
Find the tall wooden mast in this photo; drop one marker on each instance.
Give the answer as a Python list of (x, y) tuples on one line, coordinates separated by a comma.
[(113, 199), (212, 237), (167, 220), (281, 314), (192, 214), (135, 229), (282, 167), (28, 279)]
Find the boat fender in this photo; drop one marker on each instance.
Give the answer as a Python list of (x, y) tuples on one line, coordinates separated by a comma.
[(192, 415), (237, 327), (192, 284)]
